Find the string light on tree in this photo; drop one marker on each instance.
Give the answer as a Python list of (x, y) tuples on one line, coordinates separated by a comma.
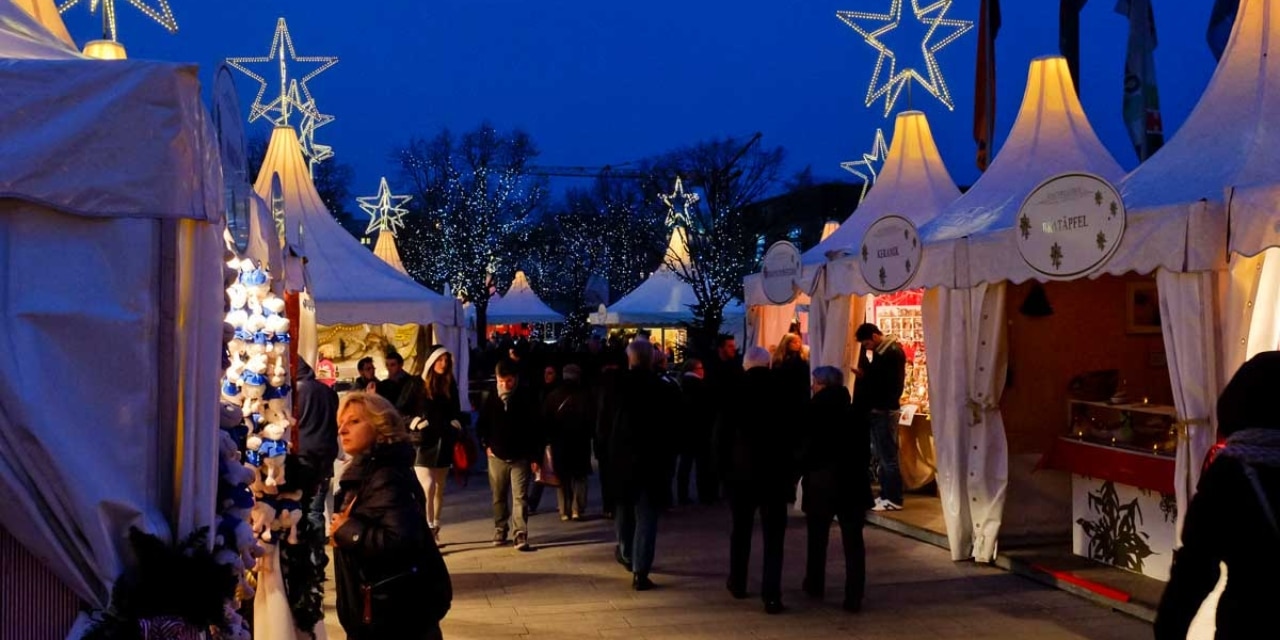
[(870, 163), (386, 211), (941, 31), (281, 43), (161, 14)]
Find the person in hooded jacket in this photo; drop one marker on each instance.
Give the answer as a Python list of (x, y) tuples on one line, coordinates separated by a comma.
[(834, 457), (757, 445), (391, 581), (436, 431), (1234, 517)]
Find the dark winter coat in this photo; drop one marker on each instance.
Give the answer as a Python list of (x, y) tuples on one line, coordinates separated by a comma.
[(385, 544), (1226, 523), (834, 455), (512, 430), (883, 379), (569, 415), (641, 436), (757, 441), (698, 414), (436, 440), (793, 382), (405, 391), (317, 421)]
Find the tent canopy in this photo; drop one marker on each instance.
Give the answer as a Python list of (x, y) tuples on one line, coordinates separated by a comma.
[(350, 285), (663, 299), (1051, 136), (520, 304)]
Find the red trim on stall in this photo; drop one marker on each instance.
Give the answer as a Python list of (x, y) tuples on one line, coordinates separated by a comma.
[(1142, 470)]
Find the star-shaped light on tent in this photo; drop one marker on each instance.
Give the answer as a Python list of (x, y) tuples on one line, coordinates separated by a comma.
[(941, 31), (312, 119), (160, 13), (281, 43), (386, 211), (686, 200), (870, 163)]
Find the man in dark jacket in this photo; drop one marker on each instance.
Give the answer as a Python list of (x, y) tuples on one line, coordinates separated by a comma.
[(698, 416), (404, 391), (880, 381), (508, 429), (757, 446), (641, 453), (317, 441), (833, 460)]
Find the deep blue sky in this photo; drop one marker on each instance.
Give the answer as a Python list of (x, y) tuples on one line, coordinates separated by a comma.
[(606, 82)]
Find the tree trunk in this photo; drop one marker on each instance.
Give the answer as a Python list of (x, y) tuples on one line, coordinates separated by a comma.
[(482, 323)]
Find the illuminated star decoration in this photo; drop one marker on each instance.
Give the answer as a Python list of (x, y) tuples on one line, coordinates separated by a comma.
[(675, 218), (385, 211), (889, 84), (312, 119), (160, 14), (281, 43), (870, 163)]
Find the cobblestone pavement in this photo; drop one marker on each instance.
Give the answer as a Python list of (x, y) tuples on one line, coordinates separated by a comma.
[(571, 588)]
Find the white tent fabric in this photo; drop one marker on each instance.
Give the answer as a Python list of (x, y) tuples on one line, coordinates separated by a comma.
[(385, 248), (664, 299), (136, 198), (520, 304), (349, 284), (46, 13)]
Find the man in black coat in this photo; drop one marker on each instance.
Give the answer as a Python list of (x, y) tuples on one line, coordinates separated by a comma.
[(880, 381), (834, 458), (641, 452), (509, 430), (757, 445), (698, 416), (404, 391), (317, 441)]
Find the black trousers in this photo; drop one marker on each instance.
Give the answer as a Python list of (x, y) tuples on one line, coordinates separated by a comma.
[(608, 497), (773, 526), (698, 457), (855, 551)]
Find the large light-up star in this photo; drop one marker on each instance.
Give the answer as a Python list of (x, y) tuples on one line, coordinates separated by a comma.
[(942, 31), (280, 43), (312, 119), (385, 211), (160, 14), (686, 200), (870, 163)]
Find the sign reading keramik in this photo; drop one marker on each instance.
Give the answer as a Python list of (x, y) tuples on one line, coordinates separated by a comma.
[(1070, 225), (780, 271), (890, 254)]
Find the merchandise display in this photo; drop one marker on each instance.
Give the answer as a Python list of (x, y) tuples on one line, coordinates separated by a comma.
[(899, 315), (1144, 427)]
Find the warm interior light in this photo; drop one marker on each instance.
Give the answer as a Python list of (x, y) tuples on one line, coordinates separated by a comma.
[(829, 228), (104, 50)]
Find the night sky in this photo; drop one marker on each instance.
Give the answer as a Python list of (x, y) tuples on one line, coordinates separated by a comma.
[(608, 82)]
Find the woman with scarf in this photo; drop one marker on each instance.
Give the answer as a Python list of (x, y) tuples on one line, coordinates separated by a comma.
[(1233, 516), (391, 580), (436, 431)]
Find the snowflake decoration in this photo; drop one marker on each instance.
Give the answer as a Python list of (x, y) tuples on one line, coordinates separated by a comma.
[(281, 43), (871, 164), (1097, 198), (161, 14), (883, 277), (1102, 241), (386, 211), (1055, 255), (1115, 208), (675, 218), (865, 253), (934, 17), (1024, 226)]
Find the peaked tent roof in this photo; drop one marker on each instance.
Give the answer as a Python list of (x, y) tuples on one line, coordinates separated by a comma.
[(520, 304), (1231, 139), (47, 15), (385, 248), (1051, 136), (349, 284), (663, 298)]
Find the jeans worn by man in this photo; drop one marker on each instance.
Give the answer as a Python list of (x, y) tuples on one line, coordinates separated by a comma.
[(507, 480), (882, 372), (884, 436), (636, 523)]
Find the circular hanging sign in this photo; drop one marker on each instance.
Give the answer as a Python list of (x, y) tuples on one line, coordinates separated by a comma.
[(780, 270), (891, 251), (1070, 225)]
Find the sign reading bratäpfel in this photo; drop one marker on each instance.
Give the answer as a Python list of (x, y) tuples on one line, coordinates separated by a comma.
[(1070, 225)]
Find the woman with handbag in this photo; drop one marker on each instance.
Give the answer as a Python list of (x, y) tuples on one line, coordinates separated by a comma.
[(391, 579), (437, 431)]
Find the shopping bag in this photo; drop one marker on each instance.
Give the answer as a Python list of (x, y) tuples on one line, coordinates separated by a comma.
[(546, 473)]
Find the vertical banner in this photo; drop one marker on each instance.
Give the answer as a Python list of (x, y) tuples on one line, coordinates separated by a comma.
[(1141, 98), (1069, 36), (984, 110)]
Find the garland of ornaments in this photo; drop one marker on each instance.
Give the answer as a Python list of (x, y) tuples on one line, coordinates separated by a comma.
[(255, 507)]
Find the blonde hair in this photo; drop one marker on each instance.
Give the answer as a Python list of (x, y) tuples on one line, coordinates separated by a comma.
[(780, 351), (387, 423)]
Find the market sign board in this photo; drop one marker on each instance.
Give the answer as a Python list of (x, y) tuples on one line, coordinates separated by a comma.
[(781, 270), (1070, 225), (890, 255)]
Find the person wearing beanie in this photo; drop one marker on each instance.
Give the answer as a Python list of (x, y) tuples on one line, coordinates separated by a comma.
[(1234, 517), (436, 431)]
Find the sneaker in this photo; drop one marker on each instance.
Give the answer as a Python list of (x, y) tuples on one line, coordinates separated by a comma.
[(522, 542), (617, 555), (641, 582), (886, 505), (564, 518), (435, 533), (499, 538)]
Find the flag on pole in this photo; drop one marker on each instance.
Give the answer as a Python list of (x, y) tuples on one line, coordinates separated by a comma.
[(984, 110), (1069, 36), (1141, 98), (1221, 20)]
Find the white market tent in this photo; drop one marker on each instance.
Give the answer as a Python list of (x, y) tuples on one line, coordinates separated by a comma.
[(520, 305), (113, 165), (346, 283), (385, 248), (969, 255)]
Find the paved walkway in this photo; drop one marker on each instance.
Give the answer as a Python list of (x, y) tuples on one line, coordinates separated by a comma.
[(570, 588)]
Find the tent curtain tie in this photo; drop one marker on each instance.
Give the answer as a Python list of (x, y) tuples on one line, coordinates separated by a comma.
[(979, 406), (1183, 426)]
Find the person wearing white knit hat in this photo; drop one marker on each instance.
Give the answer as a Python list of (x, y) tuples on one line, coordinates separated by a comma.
[(436, 431)]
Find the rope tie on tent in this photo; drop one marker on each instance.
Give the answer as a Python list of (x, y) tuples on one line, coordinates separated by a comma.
[(1183, 425), (978, 406)]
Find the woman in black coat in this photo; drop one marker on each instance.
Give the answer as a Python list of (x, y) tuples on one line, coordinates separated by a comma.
[(1233, 516), (833, 460), (569, 414), (436, 431), (391, 580)]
